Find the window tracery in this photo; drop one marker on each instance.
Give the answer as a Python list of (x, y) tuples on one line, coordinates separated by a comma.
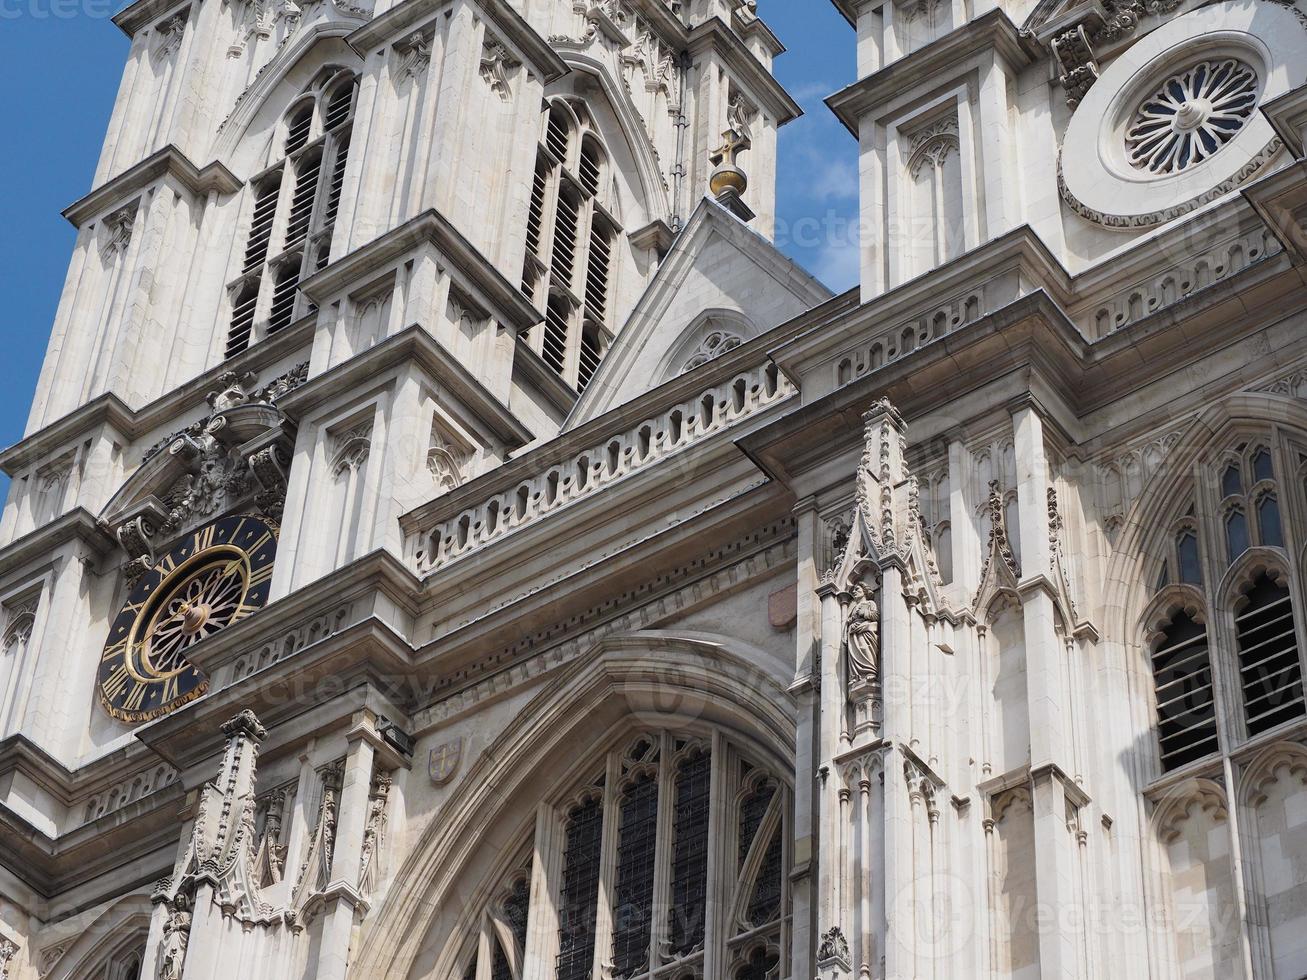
[(630, 886), (295, 204), (571, 241), (1226, 658)]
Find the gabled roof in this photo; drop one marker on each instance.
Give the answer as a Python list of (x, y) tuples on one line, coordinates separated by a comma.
[(716, 265)]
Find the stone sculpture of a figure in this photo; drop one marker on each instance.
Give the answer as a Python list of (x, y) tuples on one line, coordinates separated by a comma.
[(176, 934), (862, 635)]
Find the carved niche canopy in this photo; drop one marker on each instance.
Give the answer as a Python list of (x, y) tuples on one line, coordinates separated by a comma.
[(239, 454)]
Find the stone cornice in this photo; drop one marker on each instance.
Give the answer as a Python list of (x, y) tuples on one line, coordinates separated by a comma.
[(715, 35), (989, 34), (848, 10), (78, 524), (142, 13), (396, 22), (508, 303), (169, 161), (566, 445), (133, 424), (413, 344)]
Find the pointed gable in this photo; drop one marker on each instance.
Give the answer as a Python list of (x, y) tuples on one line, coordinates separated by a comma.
[(721, 284)]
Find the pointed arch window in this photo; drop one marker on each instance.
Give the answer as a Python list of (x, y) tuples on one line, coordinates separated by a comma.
[(630, 886), (572, 239), (1186, 700), (293, 208), (1270, 674), (1241, 670)]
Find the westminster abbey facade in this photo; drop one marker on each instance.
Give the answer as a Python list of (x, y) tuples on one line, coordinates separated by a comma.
[(452, 542)]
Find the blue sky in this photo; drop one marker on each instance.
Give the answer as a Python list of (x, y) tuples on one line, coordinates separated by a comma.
[(60, 62)]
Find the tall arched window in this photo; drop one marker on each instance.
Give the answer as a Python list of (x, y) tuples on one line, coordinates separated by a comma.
[(571, 240), (633, 883), (1270, 675), (294, 204), (1186, 700), (1240, 673)]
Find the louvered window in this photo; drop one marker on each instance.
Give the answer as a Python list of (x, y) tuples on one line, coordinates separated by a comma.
[(1270, 674), (570, 237), (590, 354), (294, 208), (554, 348), (1186, 711)]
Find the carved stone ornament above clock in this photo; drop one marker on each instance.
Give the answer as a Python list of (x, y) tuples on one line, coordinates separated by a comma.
[(236, 457)]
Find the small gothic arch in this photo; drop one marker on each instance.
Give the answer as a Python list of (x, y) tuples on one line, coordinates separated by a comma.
[(1181, 802), (1272, 763)]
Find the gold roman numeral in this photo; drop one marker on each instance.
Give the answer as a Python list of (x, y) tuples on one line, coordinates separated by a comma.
[(117, 650), (261, 576), (136, 697), (204, 538), (115, 683), (171, 688)]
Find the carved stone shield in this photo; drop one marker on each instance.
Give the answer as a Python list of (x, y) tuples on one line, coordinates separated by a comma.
[(445, 760)]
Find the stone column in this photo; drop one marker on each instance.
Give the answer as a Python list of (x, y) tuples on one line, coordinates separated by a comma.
[(343, 901), (1047, 701)]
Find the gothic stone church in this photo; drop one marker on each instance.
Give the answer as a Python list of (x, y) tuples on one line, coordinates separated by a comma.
[(451, 541)]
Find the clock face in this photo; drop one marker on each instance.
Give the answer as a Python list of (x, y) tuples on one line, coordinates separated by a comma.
[(217, 576)]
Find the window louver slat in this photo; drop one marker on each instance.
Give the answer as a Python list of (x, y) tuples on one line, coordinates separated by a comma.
[(1269, 669), (1183, 674)]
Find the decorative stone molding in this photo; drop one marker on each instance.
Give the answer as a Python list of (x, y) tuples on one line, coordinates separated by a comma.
[(1125, 306), (497, 63), (412, 58), (714, 345), (128, 791), (906, 336), (116, 232), (315, 871), (671, 432), (168, 36), (374, 833), (8, 950), (932, 145), (833, 949), (1150, 218), (19, 620), (293, 639), (1000, 569), (535, 654)]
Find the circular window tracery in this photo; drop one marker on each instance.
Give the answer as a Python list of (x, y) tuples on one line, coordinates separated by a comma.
[(1192, 116)]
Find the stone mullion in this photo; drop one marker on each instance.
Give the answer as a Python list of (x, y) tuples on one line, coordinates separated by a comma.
[(546, 886), (1220, 634), (485, 949), (721, 863), (603, 925), (660, 933)]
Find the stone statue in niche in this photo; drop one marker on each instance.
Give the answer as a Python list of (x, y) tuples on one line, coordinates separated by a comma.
[(176, 936), (862, 634)]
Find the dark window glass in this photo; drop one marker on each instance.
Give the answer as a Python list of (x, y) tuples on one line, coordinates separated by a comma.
[(1182, 673), (1186, 549), (1268, 522), (1236, 534), (633, 896), (580, 897), (690, 853), (1231, 482), (1262, 468)]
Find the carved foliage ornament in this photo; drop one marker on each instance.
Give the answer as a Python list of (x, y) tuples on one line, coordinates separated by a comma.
[(497, 62)]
